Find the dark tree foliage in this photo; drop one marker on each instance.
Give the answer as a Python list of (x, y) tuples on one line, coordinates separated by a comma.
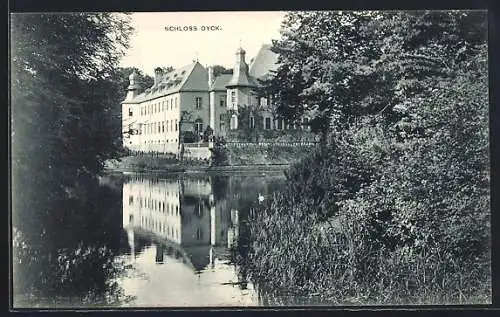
[(63, 124), (167, 69), (246, 131), (121, 75), (326, 67), (402, 99), (219, 70)]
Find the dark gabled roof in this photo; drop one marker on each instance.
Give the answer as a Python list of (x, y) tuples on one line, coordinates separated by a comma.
[(180, 79), (198, 79), (221, 82), (171, 82), (265, 62)]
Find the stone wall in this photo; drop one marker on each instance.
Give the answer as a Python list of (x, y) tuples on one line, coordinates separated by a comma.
[(160, 148), (198, 151)]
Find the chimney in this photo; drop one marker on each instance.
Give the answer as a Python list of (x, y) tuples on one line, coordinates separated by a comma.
[(211, 77), (158, 75)]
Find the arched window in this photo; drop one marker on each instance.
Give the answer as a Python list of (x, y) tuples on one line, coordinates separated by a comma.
[(234, 122)]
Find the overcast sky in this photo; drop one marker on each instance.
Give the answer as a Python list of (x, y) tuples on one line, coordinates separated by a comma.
[(153, 46)]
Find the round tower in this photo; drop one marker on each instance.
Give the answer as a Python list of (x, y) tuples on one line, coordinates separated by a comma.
[(133, 87)]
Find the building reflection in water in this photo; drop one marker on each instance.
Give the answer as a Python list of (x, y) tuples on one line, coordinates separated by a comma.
[(183, 218)]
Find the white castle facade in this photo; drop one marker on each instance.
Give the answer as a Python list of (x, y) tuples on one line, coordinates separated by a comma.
[(191, 98)]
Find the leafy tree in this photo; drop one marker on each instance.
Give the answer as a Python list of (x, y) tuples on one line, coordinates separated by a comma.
[(219, 70), (406, 172), (122, 74), (186, 127), (245, 130), (167, 69), (326, 67), (61, 70)]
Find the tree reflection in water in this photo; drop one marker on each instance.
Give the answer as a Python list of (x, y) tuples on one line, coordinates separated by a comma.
[(68, 256), (72, 253), (246, 201)]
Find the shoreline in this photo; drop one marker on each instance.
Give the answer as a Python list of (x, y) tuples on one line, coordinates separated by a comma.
[(258, 168)]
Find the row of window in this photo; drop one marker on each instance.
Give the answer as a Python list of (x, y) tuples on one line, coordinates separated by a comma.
[(279, 124), (160, 141), (159, 106), (198, 102), (172, 103), (160, 127), (160, 227), (156, 205), (262, 101)]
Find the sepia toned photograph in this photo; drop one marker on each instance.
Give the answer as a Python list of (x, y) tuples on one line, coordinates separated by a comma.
[(241, 159)]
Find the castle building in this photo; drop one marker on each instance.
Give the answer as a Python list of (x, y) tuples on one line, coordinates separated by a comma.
[(190, 99), (180, 214)]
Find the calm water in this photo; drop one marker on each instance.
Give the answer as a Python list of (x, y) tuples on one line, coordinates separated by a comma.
[(151, 241)]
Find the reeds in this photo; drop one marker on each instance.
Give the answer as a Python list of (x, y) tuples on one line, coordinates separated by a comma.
[(294, 256)]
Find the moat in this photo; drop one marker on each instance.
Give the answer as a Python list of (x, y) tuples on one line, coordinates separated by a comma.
[(173, 238)]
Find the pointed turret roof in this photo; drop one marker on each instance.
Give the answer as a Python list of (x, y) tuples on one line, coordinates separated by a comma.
[(240, 71)]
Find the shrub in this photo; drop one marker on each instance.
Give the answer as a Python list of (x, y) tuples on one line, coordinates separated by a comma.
[(220, 153), (394, 207)]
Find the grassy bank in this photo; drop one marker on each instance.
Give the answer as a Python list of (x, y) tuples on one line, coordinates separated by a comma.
[(172, 165), (143, 163)]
